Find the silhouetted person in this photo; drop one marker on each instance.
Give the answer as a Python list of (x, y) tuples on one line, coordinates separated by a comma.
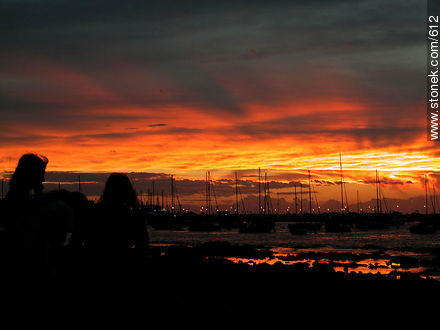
[(116, 240), (117, 231), (26, 239), (22, 226), (25, 188), (35, 228)]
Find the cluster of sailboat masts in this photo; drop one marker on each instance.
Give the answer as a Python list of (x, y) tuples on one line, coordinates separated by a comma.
[(170, 203), (265, 205), (265, 201)]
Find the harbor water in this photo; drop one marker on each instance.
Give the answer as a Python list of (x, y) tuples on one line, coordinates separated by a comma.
[(393, 250)]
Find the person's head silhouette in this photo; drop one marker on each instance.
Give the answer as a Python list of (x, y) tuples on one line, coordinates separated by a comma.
[(119, 191), (29, 174)]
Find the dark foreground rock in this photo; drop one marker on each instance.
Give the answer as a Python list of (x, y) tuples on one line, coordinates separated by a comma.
[(186, 290), (217, 295)]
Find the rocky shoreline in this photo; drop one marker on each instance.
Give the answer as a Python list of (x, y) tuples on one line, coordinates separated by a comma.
[(199, 287)]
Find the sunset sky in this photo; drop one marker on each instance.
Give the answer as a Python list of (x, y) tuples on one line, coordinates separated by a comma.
[(183, 87)]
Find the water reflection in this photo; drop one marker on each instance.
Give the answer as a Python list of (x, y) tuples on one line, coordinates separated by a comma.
[(387, 252)]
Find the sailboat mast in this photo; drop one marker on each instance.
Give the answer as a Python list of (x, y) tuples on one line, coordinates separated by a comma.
[(172, 194), (342, 183), (215, 198), (357, 200), (236, 193), (426, 196), (266, 194), (380, 193), (259, 190), (296, 201), (278, 203), (316, 200), (209, 193), (153, 195), (206, 192), (377, 194), (347, 207), (310, 195)]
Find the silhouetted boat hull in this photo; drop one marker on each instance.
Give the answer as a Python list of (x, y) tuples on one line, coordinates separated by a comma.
[(257, 226), (334, 227), (167, 226), (304, 228), (204, 227), (422, 228)]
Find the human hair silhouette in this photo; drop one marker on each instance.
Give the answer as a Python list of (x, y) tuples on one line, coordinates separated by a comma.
[(119, 191), (28, 176)]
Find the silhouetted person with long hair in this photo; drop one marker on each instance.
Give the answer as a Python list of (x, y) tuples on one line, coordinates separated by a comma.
[(29, 240), (21, 227), (116, 241), (117, 230), (24, 188)]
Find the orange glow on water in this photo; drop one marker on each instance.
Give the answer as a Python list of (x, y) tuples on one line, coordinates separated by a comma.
[(366, 266)]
